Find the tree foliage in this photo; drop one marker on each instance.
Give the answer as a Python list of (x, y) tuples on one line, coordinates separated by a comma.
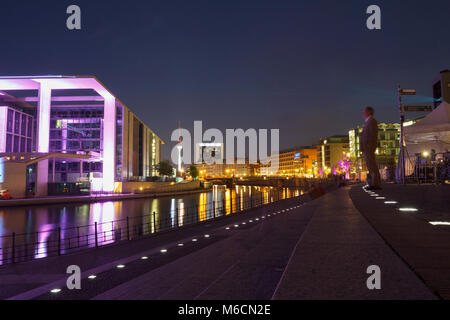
[(165, 168), (193, 172)]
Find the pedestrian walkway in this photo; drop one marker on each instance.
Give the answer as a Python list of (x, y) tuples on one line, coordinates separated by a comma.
[(331, 259), (292, 249), (401, 215)]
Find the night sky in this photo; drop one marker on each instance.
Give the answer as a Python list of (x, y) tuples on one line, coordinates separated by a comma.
[(305, 67)]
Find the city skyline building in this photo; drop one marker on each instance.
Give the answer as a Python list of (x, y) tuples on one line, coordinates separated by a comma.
[(387, 150), (76, 115), (330, 151), (441, 88)]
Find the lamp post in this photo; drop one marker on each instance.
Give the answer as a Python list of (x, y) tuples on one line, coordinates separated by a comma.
[(402, 92)]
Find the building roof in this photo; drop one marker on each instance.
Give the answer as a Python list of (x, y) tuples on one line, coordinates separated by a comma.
[(30, 158), (57, 82), (297, 148)]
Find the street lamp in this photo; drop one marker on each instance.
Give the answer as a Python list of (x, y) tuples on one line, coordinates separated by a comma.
[(402, 92)]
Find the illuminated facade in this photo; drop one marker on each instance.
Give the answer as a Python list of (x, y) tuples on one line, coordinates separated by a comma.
[(330, 152), (74, 115), (300, 161), (388, 145), (237, 170)]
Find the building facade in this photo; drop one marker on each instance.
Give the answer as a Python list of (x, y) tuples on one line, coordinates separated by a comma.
[(235, 170), (299, 161), (441, 88), (387, 150), (330, 151), (76, 116)]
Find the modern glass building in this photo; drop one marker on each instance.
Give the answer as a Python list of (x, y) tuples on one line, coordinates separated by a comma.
[(388, 145), (69, 131)]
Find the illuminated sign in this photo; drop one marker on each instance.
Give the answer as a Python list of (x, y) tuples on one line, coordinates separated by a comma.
[(297, 156)]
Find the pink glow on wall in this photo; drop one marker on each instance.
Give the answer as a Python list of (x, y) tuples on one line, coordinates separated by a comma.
[(96, 184), (44, 117), (109, 143), (3, 115), (45, 85)]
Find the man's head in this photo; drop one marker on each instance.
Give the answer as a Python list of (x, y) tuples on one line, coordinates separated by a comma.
[(368, 112)]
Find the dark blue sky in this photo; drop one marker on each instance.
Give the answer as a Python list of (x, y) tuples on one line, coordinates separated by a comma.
[(305, 67)]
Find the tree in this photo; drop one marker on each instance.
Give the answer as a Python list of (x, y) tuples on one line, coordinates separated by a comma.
[(165, 168), (193, 172)]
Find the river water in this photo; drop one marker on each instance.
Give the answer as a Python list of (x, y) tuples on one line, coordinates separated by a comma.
[(36, 224)]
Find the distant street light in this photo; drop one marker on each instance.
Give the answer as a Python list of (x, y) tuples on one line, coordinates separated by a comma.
[(407, 92)]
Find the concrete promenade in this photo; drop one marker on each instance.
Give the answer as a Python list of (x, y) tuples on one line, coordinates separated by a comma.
[(424, 247), (293, 249)]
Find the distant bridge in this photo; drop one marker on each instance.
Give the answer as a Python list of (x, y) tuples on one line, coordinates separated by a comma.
[(268, 182)]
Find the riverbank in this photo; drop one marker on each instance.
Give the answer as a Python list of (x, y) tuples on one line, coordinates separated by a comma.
[(94, 198)]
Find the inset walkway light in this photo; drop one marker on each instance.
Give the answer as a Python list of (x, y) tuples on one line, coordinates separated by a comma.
[(440, 223), (92, 276), (120, 266), (56, 290), (408, 209)]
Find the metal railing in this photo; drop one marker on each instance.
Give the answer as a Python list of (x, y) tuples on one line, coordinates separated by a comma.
[(28, 246), (430, 169)]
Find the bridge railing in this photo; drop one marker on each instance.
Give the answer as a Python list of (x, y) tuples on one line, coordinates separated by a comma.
[(20, 247)]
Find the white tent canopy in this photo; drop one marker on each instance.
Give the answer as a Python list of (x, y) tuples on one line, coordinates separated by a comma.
[(430, 133), (433, 128)]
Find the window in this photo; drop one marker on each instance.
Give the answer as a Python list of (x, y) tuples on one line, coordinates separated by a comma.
[(23, 128), (73, 145), (9, 142), (16, 144), (30, 127), (16, 122), (74, 167), (55, 134), (9, 126), (22, 144), (55, 146)]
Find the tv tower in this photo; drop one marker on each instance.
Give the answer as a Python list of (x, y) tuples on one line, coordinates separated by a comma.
[(179, 147)]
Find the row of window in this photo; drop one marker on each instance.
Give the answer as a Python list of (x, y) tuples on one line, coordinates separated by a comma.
[(81, 134), (19, 123), (75, 167), (76, 113), (75, 145), (15, 143)]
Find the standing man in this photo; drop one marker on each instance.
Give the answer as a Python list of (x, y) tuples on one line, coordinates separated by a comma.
[(369, 143)]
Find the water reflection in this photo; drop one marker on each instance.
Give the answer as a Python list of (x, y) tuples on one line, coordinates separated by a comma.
[(37, 226)]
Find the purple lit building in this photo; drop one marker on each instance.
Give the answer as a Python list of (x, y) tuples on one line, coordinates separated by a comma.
[(70, 134)]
